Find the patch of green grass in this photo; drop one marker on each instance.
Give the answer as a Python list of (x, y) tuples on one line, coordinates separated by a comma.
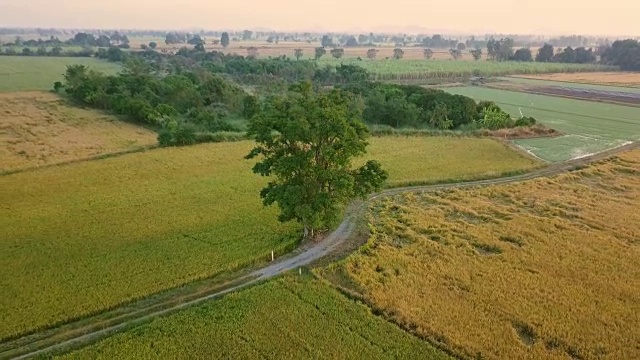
[(291, 317), (29, 73), (82, 238), (590, 127)]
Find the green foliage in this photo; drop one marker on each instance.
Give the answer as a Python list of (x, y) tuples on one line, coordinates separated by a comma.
[(398, 53), (523, 55), (545, 53), (440, 117), (525, 121), (57, 86), (337, 53), (476, 53), (496, 119), (455, 53), (249, 106), (320, 52), (307, 141), (224, 39), (390, 106), (405, 105), (623, 53), (193, 101)]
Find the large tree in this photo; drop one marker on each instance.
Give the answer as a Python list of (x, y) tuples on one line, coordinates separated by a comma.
[(623, 53), (224, 39), (337, 53), (545, 53), (398, 53), (307, 141), (523, 54), (319, 52), (298, 53)]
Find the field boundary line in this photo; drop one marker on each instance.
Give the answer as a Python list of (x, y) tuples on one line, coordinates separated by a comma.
[(303, 256)]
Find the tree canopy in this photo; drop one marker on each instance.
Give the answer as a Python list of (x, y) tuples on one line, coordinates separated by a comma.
[(307, 141)]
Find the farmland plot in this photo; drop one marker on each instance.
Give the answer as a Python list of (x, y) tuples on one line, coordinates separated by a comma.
[(540, 269), (290, 317), (82, 238), (589, 127), (30, 73)]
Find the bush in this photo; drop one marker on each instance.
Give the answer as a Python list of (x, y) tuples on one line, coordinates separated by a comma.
[(223, 136), (525, 121), (496, 119), (184, 135), (165, 138)]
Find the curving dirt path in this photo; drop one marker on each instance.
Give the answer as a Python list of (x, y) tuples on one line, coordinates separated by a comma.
[(60, 339)]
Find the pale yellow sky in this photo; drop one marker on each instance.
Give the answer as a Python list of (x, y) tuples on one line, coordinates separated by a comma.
[(613, 17)]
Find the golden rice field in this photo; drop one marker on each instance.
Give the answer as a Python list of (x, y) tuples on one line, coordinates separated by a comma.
[(544, 269), (287, 318), (631, 79), (38, 128), (81, 238)]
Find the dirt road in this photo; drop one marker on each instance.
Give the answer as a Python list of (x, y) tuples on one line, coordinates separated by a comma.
[(56, 340)]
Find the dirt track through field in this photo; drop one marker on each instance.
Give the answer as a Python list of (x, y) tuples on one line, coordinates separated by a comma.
[(69, 336)]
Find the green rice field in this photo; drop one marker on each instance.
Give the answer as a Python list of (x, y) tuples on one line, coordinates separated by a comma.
[(287, 318), (588, 127), (29, 73), (427, 69), (81, 238)]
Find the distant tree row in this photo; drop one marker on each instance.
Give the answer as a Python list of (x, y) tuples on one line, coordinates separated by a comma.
[(79, 39)]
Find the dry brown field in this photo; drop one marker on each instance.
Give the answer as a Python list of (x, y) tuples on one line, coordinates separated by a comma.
[(631, 79), (543, 269), (38, 128)]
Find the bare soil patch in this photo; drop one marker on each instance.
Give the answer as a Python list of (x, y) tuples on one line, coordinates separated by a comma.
[(607, 96)]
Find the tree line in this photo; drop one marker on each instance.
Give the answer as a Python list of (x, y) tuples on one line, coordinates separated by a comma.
[(180, 105)]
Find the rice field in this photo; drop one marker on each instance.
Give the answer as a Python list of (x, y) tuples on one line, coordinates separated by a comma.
[(544, 269), (589, 127), (429, 69), (287, 318), (81, 238), (31, 73), (38, 128)]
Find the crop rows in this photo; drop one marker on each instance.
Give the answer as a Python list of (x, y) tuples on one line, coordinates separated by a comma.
[(288, 318)]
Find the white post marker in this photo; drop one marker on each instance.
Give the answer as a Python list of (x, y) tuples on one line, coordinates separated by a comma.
[(271, 255), (300, 271)]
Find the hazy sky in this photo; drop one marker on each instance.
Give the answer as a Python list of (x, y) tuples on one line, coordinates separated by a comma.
[(459, 16)]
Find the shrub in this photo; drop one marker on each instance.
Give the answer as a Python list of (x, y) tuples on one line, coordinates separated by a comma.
[(185, 134), (496, 119), (165, 137), (525, 121)]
